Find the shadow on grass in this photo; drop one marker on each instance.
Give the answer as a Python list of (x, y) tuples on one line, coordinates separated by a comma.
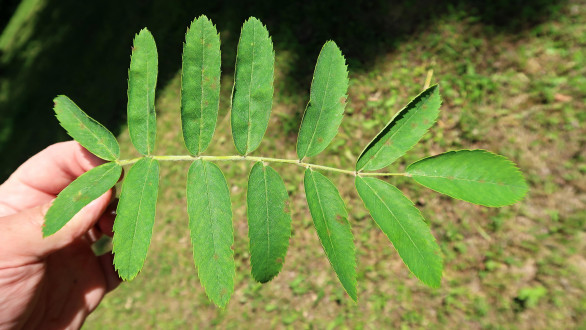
[(82, 49)]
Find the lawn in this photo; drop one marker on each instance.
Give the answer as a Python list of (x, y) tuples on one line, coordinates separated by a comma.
[(511, 82)]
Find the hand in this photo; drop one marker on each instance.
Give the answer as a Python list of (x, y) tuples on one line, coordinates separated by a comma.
[(53, 282)]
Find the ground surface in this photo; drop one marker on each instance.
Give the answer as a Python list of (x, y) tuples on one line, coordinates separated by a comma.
[(518, 89)]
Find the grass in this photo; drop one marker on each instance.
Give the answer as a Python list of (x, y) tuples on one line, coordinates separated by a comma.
[(521, 94)]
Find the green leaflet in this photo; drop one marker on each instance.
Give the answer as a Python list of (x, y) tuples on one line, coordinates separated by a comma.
[(327, 100), (85, 130), (402, 132), (331, 222), (212, 236), (269, 222), (252, 97), (89, 186), (135, 217), (475, 176), (142, 80), (404, 226), (200, 84)]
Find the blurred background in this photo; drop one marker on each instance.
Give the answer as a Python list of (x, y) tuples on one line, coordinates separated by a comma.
[(513, 80)]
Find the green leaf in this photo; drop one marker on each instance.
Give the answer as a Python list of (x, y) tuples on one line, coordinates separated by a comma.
[(96, 138), (269, 222), (252, 97), (200, 84), (142, 80), (402, 132), (404, 226), (135, 217), (327, 101), (87, 187), (475, 176), (331, 222), (212, 235)]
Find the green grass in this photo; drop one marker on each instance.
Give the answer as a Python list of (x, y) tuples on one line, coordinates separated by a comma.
[(519, 94)]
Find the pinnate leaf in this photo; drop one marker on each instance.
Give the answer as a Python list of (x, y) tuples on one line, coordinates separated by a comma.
[(142, 80), (402, 132), (269, 222), (327, 101), (135, 217), (200, 84), (252, 97), (89, 133), (212, 235), (331, 222), (475, 176), (87, 187), (403, 224)]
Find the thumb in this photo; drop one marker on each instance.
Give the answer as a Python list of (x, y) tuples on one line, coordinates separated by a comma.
[(23, 232)]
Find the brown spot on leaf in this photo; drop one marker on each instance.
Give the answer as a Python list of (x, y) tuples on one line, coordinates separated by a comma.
[(279, 260), (342, 100), (213, 85), (424, 106), (481, 181), (340, 219), (216, 257), (286, 207), (320, 140), (389, 143), (414, 125), (133, 48), (450, 177), (425, 122), (223, 292)]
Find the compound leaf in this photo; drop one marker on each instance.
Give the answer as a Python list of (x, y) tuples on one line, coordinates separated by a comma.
[(252, 97), (331, 222), (96, 138), (475, 176), (403, 224), (142, 80), (200, 84), (87, 187), (212, 235), (402, 132), (135, 217), (327, 101), (269, 222)]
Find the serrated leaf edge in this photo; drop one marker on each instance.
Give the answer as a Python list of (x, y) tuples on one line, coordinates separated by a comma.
[(247, 151), (200, 149), (114, 156), (404, 231), (309, 102), (353, 279), (515, 168), (381, 132)]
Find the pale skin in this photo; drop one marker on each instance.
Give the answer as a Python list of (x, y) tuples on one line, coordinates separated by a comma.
[(53, 282)]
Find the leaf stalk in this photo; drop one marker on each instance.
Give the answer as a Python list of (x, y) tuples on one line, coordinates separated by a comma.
[(259, 159)]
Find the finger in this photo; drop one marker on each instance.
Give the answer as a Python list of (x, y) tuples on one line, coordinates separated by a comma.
[(110, 274), (23, 235), (106, 222), (44, 175)]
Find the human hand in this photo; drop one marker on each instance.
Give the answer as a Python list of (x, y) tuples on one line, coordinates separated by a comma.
[(52, 282)]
